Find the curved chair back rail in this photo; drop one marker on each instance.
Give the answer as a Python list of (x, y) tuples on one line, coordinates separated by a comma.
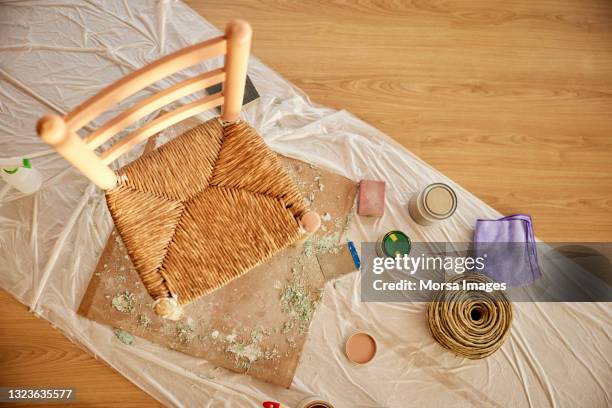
[(61, 132)]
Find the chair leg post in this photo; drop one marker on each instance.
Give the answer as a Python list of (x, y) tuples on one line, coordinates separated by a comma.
[(238, 34), (311, 222), (54, 131), (168, 308)]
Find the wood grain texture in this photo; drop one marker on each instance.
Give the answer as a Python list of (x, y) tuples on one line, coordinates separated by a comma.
[(511, 99), (34, 354)]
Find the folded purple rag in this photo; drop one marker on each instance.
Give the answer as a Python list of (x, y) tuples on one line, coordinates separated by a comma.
[(510, 247)]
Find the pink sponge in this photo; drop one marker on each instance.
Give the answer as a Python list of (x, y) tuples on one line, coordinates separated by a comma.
[(371, 198)]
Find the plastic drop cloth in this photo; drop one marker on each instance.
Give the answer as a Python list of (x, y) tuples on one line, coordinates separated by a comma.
[(55, 54)]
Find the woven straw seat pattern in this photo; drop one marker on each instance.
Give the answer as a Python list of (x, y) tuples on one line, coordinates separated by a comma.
[(204, 208)]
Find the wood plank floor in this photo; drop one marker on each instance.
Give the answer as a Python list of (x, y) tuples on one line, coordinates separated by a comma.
[(511, 99)]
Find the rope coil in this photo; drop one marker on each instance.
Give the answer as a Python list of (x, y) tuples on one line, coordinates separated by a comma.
[(470, 323)]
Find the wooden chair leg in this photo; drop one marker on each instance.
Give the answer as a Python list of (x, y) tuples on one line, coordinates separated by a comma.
[(238, 35), (53, 130), (311, 222), (168, 308)]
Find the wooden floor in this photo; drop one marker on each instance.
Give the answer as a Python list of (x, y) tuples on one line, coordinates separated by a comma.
[(511, 99)]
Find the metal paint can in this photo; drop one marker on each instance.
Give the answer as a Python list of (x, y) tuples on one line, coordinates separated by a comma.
[(434, 203), (392, 244)]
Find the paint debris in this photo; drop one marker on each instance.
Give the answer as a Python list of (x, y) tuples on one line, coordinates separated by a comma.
[(297, 302), (248, 352), (320, 186), (245, 349), (329, 243), (272, 354), (185, 332), (293, 173), (125, 301), (310, 198), (124, 337), (341, 284), (144, 321)]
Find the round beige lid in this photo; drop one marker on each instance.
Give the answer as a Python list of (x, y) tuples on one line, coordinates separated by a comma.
[(360, 348), (440, 200)]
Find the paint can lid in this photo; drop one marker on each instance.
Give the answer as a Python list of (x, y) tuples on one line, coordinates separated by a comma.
[(440, 200), (360, 348), (396, 243)]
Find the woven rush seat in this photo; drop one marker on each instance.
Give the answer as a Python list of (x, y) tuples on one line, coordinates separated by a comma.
[(204, 208)]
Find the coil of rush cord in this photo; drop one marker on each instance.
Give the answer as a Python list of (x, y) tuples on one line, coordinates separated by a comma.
[(470, 323)]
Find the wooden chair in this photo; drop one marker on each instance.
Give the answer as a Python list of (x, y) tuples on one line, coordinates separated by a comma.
[(204, 208)]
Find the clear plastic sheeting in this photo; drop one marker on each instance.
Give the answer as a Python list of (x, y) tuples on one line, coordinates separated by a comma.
[(56, 54)]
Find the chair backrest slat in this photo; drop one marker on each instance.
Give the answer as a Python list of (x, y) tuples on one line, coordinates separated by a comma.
[(159, 124), (143, 77), (61, 132), (151, 104)]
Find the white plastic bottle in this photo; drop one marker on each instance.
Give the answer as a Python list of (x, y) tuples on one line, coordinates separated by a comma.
[(24, 178)]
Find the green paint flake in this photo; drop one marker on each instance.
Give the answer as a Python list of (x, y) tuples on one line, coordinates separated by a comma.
[(184, 332), (124, 302), (245, 353), (124, 337), (144, 321), (297, 302), (249, 351), (328, 243), (271, 354)]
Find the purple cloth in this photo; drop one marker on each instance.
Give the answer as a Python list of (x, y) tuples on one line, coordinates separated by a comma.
[(510, 247)]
